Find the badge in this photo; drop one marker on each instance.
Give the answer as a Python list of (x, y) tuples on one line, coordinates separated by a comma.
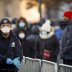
[(13, 44), (5, 21)]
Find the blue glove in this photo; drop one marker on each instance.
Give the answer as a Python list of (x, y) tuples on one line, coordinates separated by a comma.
[(16, 62), (9, 61)]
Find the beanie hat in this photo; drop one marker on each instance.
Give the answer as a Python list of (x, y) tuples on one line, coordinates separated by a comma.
[(46, 26), (68, 14)]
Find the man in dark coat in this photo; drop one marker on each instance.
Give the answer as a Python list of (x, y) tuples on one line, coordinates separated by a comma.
[(66, 41), (66, 45), (11, 52)]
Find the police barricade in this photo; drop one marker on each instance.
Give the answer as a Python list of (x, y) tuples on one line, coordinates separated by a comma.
[(64, 68), (30, 65), (48, 66), (22, 67)]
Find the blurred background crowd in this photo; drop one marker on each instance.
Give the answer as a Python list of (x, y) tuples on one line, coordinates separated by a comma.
[(29, 9)]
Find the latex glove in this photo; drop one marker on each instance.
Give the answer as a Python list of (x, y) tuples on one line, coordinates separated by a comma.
[(9, 61), (16, 62)]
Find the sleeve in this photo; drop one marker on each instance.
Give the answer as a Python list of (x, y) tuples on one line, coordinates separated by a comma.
[(36, 49), (27, 48), (63, 42), (68, 46), (56, 50), (18, 49)]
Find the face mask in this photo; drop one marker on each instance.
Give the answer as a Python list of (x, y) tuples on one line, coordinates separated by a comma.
[(21, 35), (57, 27), (5, 29), (21, 24), (43, 35), (44, 32)]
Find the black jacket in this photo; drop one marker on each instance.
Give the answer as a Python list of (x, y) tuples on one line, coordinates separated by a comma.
[(10, 48), (50, 47), (33, 45), (24, 42)]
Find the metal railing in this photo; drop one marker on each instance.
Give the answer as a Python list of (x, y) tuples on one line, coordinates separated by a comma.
[(30, 65), (65, 68), (48, 66), (37, 65)]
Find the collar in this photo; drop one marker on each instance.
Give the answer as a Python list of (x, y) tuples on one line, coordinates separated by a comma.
[(47, 36)]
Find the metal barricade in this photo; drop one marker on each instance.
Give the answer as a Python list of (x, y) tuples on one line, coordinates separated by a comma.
[(48, 66), (30, 65), (22, 67), (65, 68)]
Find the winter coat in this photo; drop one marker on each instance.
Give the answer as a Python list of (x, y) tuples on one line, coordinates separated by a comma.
[(66, 43), (10, 48), (48, 48)]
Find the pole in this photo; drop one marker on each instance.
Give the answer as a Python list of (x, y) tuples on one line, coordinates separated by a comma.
[(40, 2)]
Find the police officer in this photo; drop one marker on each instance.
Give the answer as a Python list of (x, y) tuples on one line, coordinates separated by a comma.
[(10, 50)]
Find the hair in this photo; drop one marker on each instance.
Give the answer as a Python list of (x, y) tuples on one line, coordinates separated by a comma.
[(23, 19)]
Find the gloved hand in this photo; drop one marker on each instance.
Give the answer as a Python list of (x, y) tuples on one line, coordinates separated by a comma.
[(16, 62), (9, 61)]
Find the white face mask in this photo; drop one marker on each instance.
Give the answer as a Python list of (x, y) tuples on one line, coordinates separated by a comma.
[(5, 29), (43, 35), (21, 35), (21, 24), (46, 35)]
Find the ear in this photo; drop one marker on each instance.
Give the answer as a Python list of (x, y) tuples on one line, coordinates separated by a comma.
[(10, 26)]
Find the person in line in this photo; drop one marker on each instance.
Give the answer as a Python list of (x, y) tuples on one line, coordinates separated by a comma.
[(66, 41)]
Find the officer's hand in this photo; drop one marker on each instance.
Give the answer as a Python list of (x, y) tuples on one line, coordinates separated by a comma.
[(9, 61), (16, 62)]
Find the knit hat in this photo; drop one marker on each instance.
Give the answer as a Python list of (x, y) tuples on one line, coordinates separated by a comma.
[(68, 14), (46, 26)]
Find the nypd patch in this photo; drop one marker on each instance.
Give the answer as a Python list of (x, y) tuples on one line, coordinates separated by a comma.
[(5, 21)]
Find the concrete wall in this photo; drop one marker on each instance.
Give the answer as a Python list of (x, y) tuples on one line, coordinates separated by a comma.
[(2, 9), (11, 9), (15, 8)]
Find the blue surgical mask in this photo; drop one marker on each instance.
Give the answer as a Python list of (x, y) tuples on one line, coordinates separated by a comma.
[(21, 24)]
